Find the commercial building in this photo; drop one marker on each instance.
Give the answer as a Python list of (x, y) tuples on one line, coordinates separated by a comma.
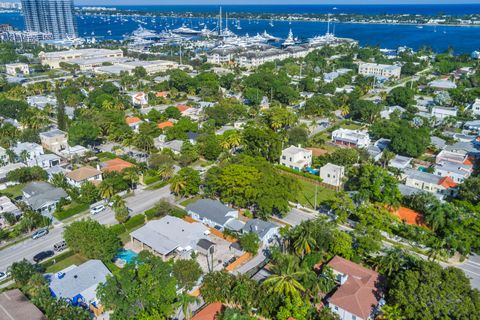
[(96, 57), (50, 16), (151, 67), (380, 70), (14, 68)]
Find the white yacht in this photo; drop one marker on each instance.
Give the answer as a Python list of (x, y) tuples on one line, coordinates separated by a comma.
[(290, 41), (186, 30)]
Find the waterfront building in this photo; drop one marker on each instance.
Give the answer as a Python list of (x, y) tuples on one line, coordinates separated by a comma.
[(379, 70), (50, 16)]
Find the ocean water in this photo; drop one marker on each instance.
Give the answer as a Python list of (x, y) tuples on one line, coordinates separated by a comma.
[(462, 39)]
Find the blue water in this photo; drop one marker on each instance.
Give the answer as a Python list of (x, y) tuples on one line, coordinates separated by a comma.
[(127, 255), (462, 39)]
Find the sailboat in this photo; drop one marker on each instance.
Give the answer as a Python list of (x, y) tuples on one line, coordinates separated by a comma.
[(271, 23), (239, 27)]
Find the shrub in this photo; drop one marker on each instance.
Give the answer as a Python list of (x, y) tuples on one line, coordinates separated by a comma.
[(151, 179), (118, 229), (61, 215)]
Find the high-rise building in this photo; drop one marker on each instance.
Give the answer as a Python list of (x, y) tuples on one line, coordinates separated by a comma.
[(52, 16)]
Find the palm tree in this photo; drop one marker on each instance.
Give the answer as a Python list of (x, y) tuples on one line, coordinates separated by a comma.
[(166, 172), (304, 240), (59, 180), (437, 250), (386, 157), (11, 155), (185, 300), (178, 185), (118, 202), (24, 155), (106, 189), (284, 280), (132, 176), (392, 261), (390, 312)]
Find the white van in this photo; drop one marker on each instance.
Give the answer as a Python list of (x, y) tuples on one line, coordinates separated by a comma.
[(97, 209)]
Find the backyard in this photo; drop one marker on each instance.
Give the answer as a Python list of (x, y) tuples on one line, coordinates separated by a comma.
[(306, 196)]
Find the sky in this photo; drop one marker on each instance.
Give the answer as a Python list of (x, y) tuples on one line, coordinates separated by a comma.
[(272, 2)]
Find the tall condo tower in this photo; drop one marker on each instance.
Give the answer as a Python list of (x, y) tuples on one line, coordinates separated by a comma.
[(51, 16)]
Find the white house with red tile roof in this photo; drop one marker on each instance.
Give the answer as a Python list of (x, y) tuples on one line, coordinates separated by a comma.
[(430, 182), (360, 291), (133, 123)]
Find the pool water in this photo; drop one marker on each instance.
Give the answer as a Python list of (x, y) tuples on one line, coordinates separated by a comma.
[(127, 255)]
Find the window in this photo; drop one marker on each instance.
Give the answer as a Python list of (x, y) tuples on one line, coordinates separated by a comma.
[(354, 317), (336, 308)]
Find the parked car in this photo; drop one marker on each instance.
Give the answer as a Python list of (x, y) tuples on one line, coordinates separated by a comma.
[(43, 255), (97, 209), (39, 233), (60, 246), (4, 275)]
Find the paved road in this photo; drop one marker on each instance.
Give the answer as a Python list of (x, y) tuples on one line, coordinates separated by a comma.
[(471, 266), (138, 203)]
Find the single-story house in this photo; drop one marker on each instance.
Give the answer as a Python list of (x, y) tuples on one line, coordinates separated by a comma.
[(169, 235), (212, 213), (400, 162), (78, 284), (43, 197), (266, 231), (8, 168), (6, 205), (81, 175)]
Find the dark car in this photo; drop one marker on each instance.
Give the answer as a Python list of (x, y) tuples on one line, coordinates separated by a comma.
[(43, 255)]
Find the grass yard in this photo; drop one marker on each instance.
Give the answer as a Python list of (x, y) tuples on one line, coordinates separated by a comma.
[(191, 200), (306, 196), (62, 264), (14, 191)]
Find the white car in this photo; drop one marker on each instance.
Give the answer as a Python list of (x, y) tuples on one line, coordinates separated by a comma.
[(4, 275), (97, 209)]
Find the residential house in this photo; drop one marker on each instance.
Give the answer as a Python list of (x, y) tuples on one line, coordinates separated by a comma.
[(165, 124), (212, 213), (210, 311), (476, 107), (296, 158), (81, 175), (359, 293), (40, 102), (134, 123), (6, 205), (48, 160), (375, 153), (8, 168), (473, 125), (169, 236), (450, 156), (443, 112), (174, 145), (442, 85), (42, 197), (400, 162), (332, 174), (430, 182), (54, 140), (28, 152), (351, 138), (115, 165), (14, 68), (265, 230), (78, 284), (14, 305), (4, 156), (385, 114), (138, 99), (458, 172)]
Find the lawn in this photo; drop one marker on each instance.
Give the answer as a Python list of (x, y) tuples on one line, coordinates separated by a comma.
[(191, 200), (306, 196), (71, 210), (14, 191), (62, 264)]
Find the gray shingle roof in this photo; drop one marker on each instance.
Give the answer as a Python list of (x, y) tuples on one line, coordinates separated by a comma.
[(258, 227), (212, 210)]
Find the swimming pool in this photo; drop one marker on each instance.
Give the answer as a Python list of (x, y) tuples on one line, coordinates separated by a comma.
[(126, 255)]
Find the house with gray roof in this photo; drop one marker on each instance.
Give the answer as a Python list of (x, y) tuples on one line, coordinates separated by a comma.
[(212, 213), (429, 182), (457, 171), (266, 231), (400, 162), (78, 284), (43, 197), (14, 305), (169, 236)]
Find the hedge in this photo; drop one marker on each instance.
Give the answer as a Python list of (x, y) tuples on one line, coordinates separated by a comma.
[(299, 173), (62, 215)]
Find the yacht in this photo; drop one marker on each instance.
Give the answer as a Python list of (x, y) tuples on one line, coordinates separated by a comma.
[(268, 37), (290, 41), (185, 30)]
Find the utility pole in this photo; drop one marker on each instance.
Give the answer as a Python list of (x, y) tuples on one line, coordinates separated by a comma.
[(316, 189)]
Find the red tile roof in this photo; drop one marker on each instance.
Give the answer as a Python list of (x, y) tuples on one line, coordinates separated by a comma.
[(161, 94), (210, 312), (183, 108), (409, 216), (115, 165), (362, 290), (447, 182), (469, 161), (132, 120), (165, 124)]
